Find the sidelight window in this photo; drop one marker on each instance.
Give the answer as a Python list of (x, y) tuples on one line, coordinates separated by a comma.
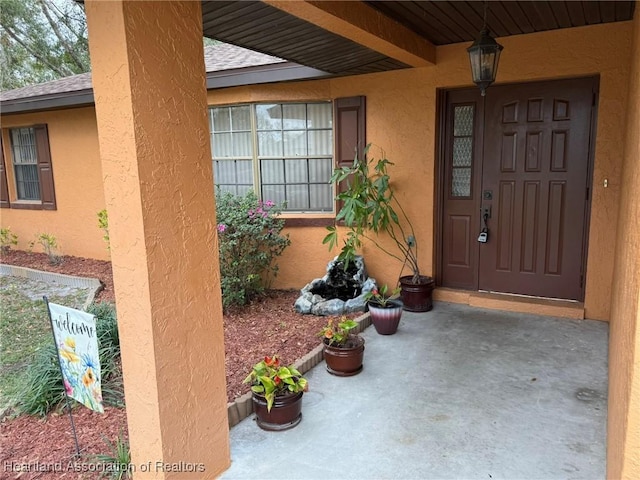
[(461, 166)]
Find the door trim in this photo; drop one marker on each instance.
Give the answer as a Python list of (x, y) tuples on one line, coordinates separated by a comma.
[(590, 185), (442, 95), (439, 177)]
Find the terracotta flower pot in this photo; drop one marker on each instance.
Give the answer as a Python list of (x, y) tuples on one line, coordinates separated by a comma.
[(417, 297), (345, 361), (285, 413), (385, 318)]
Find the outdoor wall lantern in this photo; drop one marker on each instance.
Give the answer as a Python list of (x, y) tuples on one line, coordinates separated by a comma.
[(484, 54)]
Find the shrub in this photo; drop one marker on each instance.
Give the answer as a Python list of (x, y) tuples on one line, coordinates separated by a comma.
[(49, 244), (249, 233), (117, 462), (109, 352), (7, 238), (103, 224), (43, 389)]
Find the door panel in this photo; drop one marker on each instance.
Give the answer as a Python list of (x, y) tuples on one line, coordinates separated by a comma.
[(525, 160), (461, 190), (536, 160)]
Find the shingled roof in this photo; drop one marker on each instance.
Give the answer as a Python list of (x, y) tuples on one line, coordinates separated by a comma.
[(216, 58), (226, 65)]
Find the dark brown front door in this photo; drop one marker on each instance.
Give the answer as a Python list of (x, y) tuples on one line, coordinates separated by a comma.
[(525, 168)]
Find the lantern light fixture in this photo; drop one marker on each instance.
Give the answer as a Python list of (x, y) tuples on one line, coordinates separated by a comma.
[(484, 55)]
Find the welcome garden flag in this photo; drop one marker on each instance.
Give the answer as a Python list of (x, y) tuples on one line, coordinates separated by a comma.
[(74, 332)]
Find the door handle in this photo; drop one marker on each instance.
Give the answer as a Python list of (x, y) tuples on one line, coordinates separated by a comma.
[(484, 233)]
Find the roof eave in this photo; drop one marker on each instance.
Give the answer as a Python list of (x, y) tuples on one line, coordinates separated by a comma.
[(271, 73), (52, 101)]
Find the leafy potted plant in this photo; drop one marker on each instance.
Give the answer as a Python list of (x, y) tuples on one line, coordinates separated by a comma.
[(370, 209), (277, 394), (385, 311), (343, 350)]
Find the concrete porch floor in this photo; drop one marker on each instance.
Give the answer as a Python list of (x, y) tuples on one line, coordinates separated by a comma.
[(456, 393)]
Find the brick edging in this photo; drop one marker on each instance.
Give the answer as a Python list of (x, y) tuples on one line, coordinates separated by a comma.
[(242, 406), (93, 284)]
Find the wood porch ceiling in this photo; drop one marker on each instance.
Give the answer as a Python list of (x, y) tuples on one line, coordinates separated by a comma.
[(264, 28), (443, 23)]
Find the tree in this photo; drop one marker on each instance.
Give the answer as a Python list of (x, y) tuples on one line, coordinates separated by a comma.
[(41, 40)]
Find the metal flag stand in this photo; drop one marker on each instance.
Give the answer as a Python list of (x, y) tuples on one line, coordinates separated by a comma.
[(66, 397)]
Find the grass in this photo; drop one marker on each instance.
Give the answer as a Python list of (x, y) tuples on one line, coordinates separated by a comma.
[(25, 328)]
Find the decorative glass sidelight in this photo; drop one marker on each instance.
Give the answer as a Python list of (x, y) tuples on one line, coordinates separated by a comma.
[(462, 151)]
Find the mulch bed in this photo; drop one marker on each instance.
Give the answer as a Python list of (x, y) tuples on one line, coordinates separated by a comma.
[(78, 266), (269, 325)]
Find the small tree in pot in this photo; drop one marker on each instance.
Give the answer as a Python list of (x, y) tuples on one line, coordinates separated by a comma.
[(371, 208)]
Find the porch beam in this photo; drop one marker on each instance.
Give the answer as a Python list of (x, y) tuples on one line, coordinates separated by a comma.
[(364, 25), (151, 109)]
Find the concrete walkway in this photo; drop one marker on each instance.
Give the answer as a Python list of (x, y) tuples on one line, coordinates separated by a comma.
[(457, 393)]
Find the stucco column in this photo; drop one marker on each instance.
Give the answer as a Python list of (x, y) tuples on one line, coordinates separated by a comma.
[(150, 96), (623, 420)]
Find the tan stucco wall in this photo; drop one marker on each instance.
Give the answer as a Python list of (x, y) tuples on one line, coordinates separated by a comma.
[(73, 138), (401, 118), (623, 455)]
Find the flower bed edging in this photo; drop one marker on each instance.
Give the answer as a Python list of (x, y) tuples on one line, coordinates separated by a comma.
[(93, 284)]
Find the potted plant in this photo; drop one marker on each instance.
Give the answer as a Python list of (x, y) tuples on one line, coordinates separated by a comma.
[(277, 394), (370, 208), (343, 350), (385, 311)]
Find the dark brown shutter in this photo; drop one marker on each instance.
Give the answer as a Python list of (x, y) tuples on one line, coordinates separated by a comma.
[(4, 188), (45, 171), (350, 129)]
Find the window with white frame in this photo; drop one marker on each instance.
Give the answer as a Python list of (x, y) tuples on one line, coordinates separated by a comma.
[(284, 152), (25, 163)]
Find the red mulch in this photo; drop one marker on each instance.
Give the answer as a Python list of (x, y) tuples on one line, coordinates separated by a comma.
[(43, 448), (268, 325), (80, 267)]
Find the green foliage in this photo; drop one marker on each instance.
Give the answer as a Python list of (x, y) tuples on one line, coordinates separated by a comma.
[(118, 459), (49, 244), (370, 207), (7, 238), (43, 389), (249, 235), (41, 40), (24, 329), (338, 334), (103, 224), (380, 297), (270, 379), (109, 352)]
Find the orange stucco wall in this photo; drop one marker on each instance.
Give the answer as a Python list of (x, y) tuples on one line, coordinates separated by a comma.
[(73, 139), (149, 87), (401, 118), (623, 453)]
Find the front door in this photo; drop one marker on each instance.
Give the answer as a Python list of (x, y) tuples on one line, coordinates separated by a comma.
[(516, 166)]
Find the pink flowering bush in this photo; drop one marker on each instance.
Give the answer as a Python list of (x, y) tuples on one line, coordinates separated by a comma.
[(250, 239)]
